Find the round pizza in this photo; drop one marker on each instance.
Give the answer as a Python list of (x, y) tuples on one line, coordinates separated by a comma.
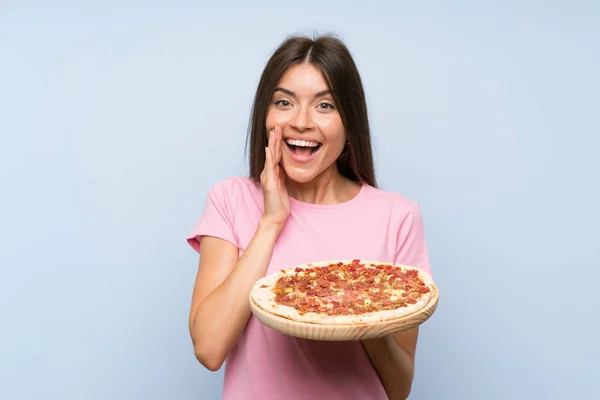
[(344, 292)]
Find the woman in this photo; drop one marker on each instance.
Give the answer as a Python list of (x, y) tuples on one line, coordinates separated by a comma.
[(311, 196)]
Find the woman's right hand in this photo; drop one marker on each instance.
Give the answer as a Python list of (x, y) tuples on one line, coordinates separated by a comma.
[(220, 308), (272, 179)]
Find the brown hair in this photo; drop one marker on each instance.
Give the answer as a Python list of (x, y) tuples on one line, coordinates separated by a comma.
[(335, 62)]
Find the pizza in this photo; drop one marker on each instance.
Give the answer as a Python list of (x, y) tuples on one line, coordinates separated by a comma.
[(344, 292)]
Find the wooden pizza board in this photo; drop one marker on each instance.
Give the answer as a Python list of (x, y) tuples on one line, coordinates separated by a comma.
[(316, 331)]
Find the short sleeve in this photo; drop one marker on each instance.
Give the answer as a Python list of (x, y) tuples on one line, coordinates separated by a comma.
[(411, 246), (217, 218)]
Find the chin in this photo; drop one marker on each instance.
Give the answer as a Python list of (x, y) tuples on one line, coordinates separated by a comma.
[(299, 175)]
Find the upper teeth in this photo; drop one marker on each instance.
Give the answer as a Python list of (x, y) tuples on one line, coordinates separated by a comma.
[(302, 143)]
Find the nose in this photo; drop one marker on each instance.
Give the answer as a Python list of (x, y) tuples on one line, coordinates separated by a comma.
[(302, 120)]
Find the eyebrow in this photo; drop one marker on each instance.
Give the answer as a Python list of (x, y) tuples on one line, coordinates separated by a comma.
[(290, 93)]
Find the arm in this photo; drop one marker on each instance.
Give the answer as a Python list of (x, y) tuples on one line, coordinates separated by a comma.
[(393, 359), (220, 309)]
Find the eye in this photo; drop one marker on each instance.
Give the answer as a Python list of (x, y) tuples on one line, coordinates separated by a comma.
[(326, 106), (283, 103)]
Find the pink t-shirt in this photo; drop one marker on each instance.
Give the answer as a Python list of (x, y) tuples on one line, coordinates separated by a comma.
[(374, 225)]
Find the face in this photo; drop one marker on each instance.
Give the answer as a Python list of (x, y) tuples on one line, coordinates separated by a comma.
[(313, 133)]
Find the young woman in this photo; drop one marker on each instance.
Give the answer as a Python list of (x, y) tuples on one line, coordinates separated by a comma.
[(311, 196)]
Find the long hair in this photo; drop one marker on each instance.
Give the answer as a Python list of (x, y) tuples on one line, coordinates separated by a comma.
[(335, 62)]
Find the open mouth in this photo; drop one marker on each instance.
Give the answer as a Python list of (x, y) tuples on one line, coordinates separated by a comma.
[(303, 148)]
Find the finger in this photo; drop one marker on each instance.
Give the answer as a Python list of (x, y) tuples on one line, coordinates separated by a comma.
[(272, 177), (271, 140), (270, 143), (281, 144), (277, 152), (281, 178), (267, 166)]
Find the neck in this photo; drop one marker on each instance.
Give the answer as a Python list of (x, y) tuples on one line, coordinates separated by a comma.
[(330, 187)]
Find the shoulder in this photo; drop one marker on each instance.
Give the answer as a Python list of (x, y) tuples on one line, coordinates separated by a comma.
[(234, 188), (224, 203), (398, 204), (229, 196)]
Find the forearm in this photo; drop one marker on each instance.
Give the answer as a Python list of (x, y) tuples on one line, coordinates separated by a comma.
[(223, 314), (393, 365)]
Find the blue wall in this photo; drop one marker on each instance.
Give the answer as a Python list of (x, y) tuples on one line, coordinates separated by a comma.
[(116, 120)]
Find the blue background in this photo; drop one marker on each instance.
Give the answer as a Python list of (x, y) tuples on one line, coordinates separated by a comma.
[(117, 117)]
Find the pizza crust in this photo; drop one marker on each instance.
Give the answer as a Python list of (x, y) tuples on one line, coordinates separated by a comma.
[(263, 297)]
